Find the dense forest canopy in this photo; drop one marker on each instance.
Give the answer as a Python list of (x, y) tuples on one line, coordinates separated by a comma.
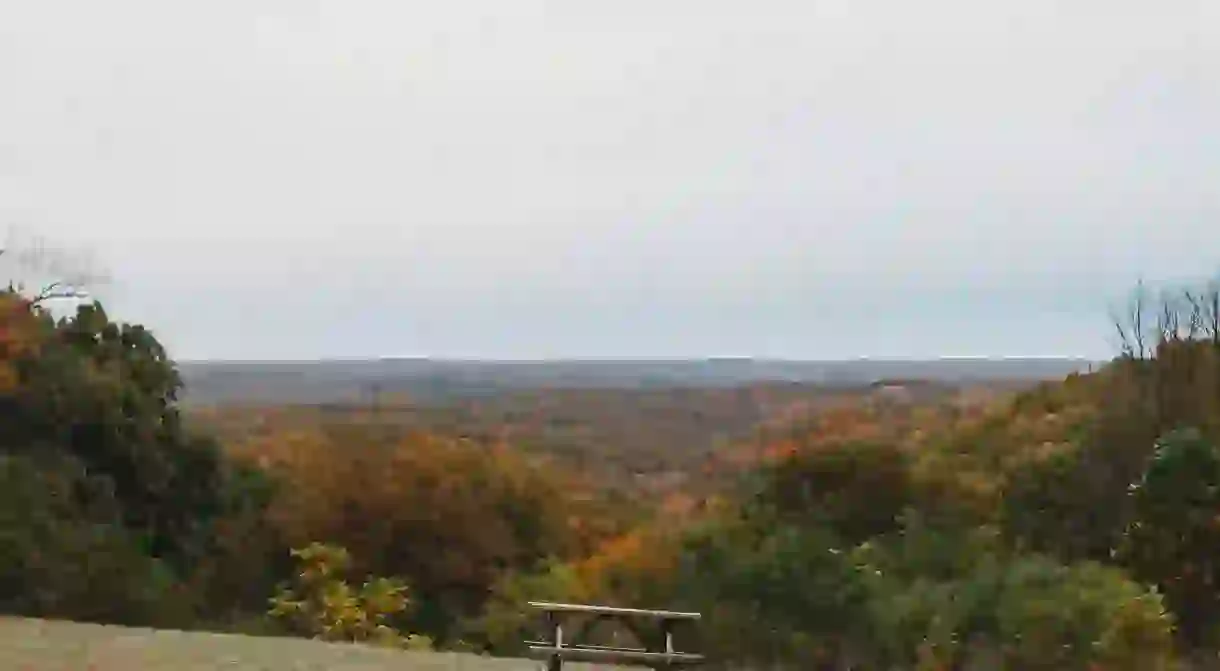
[(1073, 525)]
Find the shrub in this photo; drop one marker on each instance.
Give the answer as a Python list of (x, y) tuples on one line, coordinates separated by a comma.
[(1026, 613), (1051, 616), (324, 606)]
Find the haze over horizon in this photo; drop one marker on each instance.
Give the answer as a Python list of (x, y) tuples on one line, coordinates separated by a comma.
[(825, 180), (630, 359)]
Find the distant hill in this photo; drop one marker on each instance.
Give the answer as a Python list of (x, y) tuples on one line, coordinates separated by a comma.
[(328, 381)]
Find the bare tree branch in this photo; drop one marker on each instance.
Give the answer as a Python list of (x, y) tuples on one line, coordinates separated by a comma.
[(1211, 313), (1132, 326), (1198, 322), (65, 276)]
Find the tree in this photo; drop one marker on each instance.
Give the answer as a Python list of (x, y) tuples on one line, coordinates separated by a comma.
[(1174, 539), (858, 489), (99, 399), (65, 554), (452, 517), (1170, 352), (505, 622), (246, 555), (774, 594), (1050, 506), (106, 393)]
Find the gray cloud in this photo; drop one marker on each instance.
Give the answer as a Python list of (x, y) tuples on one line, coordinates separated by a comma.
[(532, 178)]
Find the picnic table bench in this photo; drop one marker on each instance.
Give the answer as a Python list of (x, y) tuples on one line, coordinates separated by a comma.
[(659, 652)]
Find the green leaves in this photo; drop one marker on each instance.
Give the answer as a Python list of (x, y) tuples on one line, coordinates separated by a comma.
[(858, 489), (64, 552), (507, 621), (1173, 540), (812, 579), (1050, 506), (1052, 616), (104, 393), (1022, 611), (92, 402)]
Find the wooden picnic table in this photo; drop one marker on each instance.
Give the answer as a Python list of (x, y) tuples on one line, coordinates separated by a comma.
[(658, 653)]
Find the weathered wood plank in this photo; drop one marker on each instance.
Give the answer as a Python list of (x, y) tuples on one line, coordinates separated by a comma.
[(620, 648), (550, 607)]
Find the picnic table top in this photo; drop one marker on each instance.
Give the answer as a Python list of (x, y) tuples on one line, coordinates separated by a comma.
[(551, 607)]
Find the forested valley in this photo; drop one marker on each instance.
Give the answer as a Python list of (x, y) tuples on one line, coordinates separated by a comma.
[(1074, 524)]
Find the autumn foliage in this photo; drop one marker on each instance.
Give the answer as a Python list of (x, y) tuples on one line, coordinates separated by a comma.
[(1070, 526), (448, 515)]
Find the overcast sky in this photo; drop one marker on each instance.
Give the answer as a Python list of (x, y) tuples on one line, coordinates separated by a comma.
[(808, 179)]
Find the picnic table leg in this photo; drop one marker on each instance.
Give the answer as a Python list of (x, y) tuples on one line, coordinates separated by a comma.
[(555, 662), (664, 643)]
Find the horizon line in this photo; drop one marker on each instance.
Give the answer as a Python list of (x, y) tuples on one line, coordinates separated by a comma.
[(656, 359)]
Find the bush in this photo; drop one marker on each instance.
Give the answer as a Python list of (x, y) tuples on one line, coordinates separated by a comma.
[(925, 596), (1051, 616), (1027, 613), (322, 605)]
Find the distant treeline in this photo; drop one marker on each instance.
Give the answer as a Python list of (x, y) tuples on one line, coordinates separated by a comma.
[(429, 380)]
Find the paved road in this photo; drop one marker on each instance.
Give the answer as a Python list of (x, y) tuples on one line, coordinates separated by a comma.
[(40, 645)]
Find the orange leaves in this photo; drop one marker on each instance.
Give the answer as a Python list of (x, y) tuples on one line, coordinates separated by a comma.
[(18, 327), (635, 559), (678, 505), (450, 515), (779, 451), (19, 338), (850, 424)]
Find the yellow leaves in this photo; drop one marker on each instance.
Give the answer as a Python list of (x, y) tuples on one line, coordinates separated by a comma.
[(939, 476), (1033, 454), (327, 607), (321, 561)]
